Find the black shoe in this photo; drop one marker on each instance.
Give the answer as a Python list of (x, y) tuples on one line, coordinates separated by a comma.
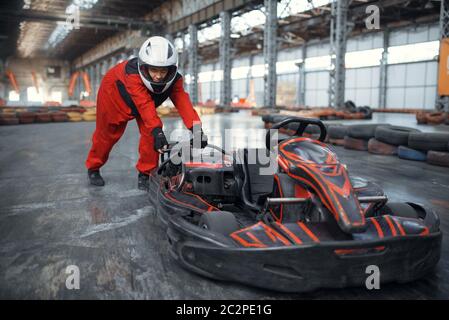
[(143, 181), (95, 178)]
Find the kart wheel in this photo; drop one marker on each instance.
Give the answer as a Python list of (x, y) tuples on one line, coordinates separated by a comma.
[(221, 222), (399, 209)]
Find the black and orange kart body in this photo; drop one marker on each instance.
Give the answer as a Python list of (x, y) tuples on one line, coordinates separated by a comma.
[(306, 225)]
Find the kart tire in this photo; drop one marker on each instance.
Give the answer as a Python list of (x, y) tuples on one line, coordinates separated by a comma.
[(337, 132), (399, 209), (363, 131), (221, 222), (435, 117), (438, 158), (425, 141), (366, 112), (411, 154), (9, 121), (377, 147), (395, 135), (350, 106), (356, 144), (421, 117)]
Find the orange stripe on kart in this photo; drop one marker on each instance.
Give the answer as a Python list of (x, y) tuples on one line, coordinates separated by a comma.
[(390, 223), (291, 234), (308, 231), (378, 228)]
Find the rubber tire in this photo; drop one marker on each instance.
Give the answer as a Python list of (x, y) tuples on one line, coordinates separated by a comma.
[(438, 158), (356, 144), (221, 222), (337, 142), (399, 209), (436, 141), (394, 135), (9, 121), (378, 147), (364, 131), (411, 154), (350, 106), (337, 132)]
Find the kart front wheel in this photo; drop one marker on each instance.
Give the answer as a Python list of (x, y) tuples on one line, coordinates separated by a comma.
[(221, 222)]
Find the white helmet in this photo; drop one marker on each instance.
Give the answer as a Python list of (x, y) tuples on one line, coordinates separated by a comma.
[(157, 52)]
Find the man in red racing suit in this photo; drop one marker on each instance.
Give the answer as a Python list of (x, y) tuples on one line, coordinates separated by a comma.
[(123, 96)]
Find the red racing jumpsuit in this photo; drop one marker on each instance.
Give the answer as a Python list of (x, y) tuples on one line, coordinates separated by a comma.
[(122, 96)]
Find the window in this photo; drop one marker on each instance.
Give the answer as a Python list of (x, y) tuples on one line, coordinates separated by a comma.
[(413, 52), (13, 96), (56, 96), (33, 95)]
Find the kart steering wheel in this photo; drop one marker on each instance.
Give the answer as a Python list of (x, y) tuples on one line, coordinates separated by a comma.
[(303, 123)]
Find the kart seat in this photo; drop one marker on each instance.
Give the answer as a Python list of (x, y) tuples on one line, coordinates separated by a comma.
[(258, 179)]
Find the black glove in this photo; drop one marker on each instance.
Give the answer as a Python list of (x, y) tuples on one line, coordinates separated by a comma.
[(159, 139), (198, 135)]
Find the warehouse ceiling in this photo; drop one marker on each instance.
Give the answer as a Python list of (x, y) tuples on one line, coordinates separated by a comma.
[(35, 28), (314, 24)]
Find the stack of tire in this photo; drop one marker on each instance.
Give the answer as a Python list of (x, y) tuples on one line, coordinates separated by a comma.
[(43, 117), (432, 147), (358, 136), (388, 139), (90, 114), (75, 116), (8, 118), (26, 117), (59, 116), (435, 118), (336, 134)]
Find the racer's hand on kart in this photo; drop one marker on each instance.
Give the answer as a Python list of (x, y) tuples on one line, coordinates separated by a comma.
[(160, 142), (198, 137)]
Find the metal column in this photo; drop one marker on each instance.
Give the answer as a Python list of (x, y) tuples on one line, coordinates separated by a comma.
[(301, 90), (383, 72), (442, 102), (225, 58), (193, 63), (270, 52), (339, 31)]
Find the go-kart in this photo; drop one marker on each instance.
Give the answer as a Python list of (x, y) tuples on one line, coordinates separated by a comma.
[(307, 225)]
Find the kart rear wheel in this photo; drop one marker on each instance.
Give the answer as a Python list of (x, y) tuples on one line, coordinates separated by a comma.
[(221, 222), (399, 209)]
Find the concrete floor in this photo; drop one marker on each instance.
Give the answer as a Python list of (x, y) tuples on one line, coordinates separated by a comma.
[(51, 218)]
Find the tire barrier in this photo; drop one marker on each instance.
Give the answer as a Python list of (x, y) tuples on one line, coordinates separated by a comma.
[(74, 116), (378, 147), (59, 117), (426, 141), (363, 131), (438, 158), (421, 117), (355, 144), (43, 117), (395, 135), (337, 142), (8, 119), (26, 117), (337, 132), (411, 154), (436, 117)]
